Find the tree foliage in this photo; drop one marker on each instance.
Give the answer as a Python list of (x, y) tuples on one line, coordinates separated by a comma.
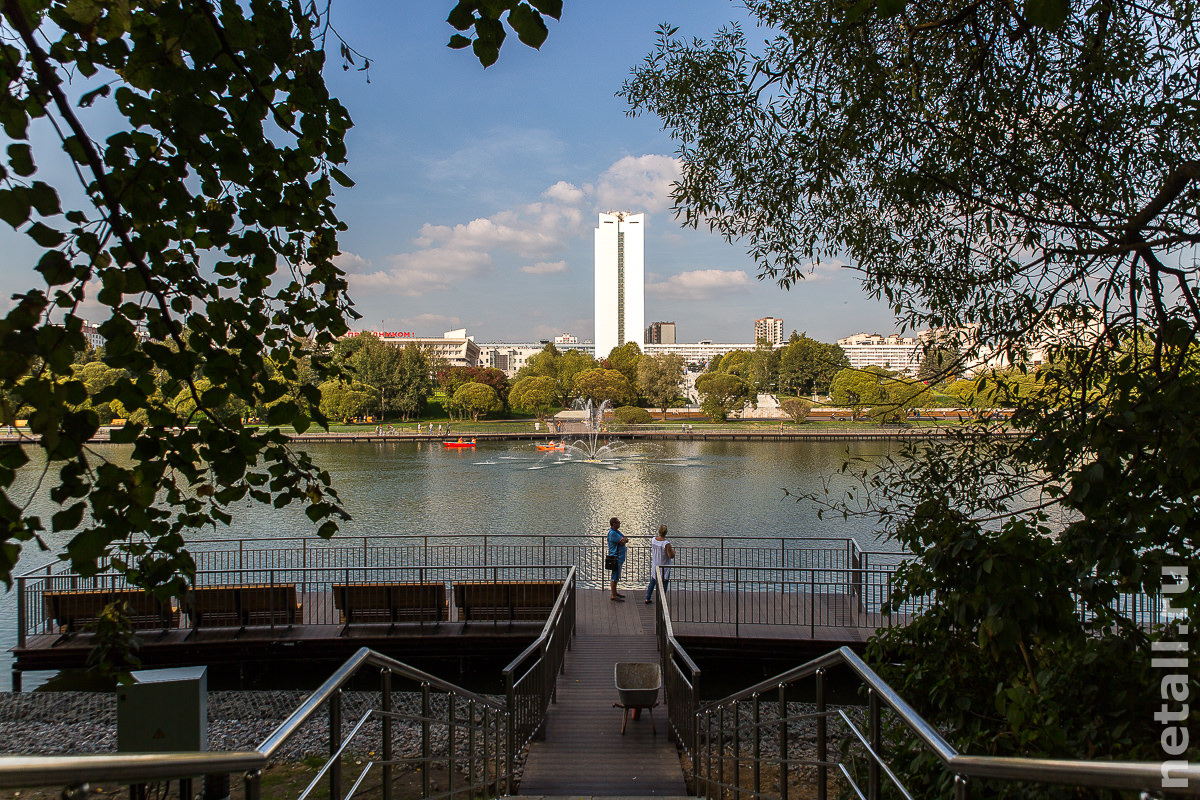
[(206, 230), (806, 366), (625, 359), (206, 221), (561, 367), (537, 394), (796, 408), (1028, 171), (722, 393), (476, 400), (660, 378), (601, 384)]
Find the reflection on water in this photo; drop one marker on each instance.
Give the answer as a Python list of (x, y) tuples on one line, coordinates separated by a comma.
[(727, 489)]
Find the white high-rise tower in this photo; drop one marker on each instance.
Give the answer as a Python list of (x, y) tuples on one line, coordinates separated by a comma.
[(620, 280)]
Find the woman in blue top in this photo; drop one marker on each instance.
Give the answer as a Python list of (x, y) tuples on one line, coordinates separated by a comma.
[(616, 547)]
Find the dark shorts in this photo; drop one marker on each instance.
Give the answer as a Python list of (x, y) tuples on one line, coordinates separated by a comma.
[(616, 573)]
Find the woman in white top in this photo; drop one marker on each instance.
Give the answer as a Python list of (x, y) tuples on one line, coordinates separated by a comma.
[(661, 555)]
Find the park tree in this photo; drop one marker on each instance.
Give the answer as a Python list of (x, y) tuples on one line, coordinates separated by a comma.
[(857, 388), (347, 400), (624, 359), (536, 394), (722, 393), (763, 367), (414, 381), (476, 400), (660, 378), (561, 367), (940, 363), (806, 366), (1021, 170), (601, 384), (796, 408)]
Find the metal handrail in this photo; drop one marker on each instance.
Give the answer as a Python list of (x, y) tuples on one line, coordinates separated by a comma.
[(505, 539), (30, 771), (1096, 774)]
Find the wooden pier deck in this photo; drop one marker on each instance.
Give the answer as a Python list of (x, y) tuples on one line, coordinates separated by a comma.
[(584, 752)]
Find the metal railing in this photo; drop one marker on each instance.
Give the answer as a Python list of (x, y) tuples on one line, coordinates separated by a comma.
[(743, 746), (746, 597), (531, 679), (681, 675), (586, 553), (467, 733)]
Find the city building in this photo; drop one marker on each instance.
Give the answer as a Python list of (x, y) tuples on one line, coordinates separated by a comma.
[(895, 352), (660, 333), (456, 347), (566, 338), (769, 328), (620, 280)]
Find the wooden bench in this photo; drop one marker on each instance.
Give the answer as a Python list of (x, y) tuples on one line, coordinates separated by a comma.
[(505, 600), (75, 609), (251, 605), (390, 602)]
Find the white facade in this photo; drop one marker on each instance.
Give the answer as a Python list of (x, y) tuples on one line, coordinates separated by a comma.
[(620, 280), (896, 353)]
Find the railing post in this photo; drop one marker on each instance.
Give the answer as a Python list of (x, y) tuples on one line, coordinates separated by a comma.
[(737, 583), (510, 755), (962, 787), (812, 604), (757, 769), (253, 785), (386, 703), (720, 752), (335, 744), (21, 586), (822, 747), (426, 745), (873, 734), (783, 743), (737, 750), (451, 735)]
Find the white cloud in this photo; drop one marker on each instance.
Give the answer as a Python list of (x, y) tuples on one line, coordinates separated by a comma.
[(822, 271), (350, 263), (415, 274), (701, 284), (545, 268), (565, 192), (637, 183), (448, 255)]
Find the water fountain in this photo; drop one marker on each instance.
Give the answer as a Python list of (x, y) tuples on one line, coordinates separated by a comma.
[(589, 448)]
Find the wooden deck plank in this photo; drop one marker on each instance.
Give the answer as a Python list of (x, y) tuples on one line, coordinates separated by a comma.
[(584, 752)]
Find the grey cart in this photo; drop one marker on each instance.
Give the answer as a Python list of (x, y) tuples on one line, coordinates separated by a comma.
[(637, 688)]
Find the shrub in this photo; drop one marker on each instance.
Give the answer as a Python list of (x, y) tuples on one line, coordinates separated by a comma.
[(632, 415)]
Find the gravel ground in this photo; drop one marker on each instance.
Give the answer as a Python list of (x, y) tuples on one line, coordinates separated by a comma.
[(86, 722)]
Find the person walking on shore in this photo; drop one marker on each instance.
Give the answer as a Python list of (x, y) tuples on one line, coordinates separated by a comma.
[(616, 556), (662, 554)]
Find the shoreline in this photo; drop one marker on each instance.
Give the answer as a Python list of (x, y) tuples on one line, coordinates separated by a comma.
[(763, 434)]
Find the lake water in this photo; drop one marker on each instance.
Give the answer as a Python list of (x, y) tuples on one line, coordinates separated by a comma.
[(730, 489)]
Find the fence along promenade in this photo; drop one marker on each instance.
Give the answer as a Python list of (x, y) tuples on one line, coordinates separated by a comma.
[(780, 587)]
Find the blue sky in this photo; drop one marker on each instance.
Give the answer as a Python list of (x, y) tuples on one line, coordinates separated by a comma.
[(477, 190)]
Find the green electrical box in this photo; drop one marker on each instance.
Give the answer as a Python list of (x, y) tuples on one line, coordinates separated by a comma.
[(163, 710)]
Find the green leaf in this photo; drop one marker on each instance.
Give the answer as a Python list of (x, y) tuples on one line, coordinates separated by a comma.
[(486, 52), (458, 42), (462, 16), (20, 156), (44, 235), (1048, 14), (45, 199), (68, 519), (55, 268), (340, 177), (90, 97), (890, 8), (551, 8), (15, 205), (529, 25)]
